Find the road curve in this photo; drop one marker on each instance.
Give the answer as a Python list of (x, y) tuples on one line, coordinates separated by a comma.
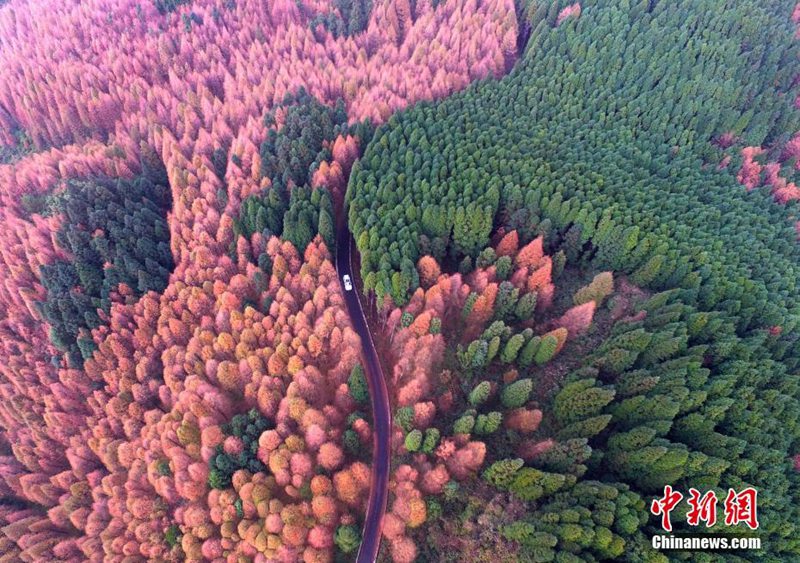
[(381, 413)]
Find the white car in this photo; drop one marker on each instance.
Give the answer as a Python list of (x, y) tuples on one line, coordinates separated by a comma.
[(348, 283)]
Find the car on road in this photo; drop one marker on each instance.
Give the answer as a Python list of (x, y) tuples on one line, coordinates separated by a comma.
[(348, 283)]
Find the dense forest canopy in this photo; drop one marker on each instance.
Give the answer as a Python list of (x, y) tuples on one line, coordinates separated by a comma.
[(577, 231), (616, 140), (584, 135)]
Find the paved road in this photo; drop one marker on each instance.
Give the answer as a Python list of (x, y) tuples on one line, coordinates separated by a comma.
[(381, 414)]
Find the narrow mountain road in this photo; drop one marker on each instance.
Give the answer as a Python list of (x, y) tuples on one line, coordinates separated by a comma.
[(381, 414)]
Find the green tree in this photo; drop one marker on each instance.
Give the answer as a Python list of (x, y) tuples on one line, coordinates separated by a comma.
[(347, 538), (501, 473), (516, 394), (431, 440), (172, 536), (488, 423), (546, 350), (357, 384), (528, 353), (351, 441), (413, 440), (464, 425), (480, 393), (512, 349), (580, 400), (404, 417), (503, 267), (531, 484), (525, 307)]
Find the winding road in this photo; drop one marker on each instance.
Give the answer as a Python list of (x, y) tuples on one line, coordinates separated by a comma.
[(381, 414)]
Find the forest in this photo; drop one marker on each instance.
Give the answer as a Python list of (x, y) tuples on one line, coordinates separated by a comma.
[(670, 173), (575, 243)]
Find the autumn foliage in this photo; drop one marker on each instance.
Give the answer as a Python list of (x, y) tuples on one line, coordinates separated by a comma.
[(113, 460), (489, 322)]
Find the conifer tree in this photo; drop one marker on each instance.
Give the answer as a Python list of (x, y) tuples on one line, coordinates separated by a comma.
[(516, 394), (480, 393), (501, 473)]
